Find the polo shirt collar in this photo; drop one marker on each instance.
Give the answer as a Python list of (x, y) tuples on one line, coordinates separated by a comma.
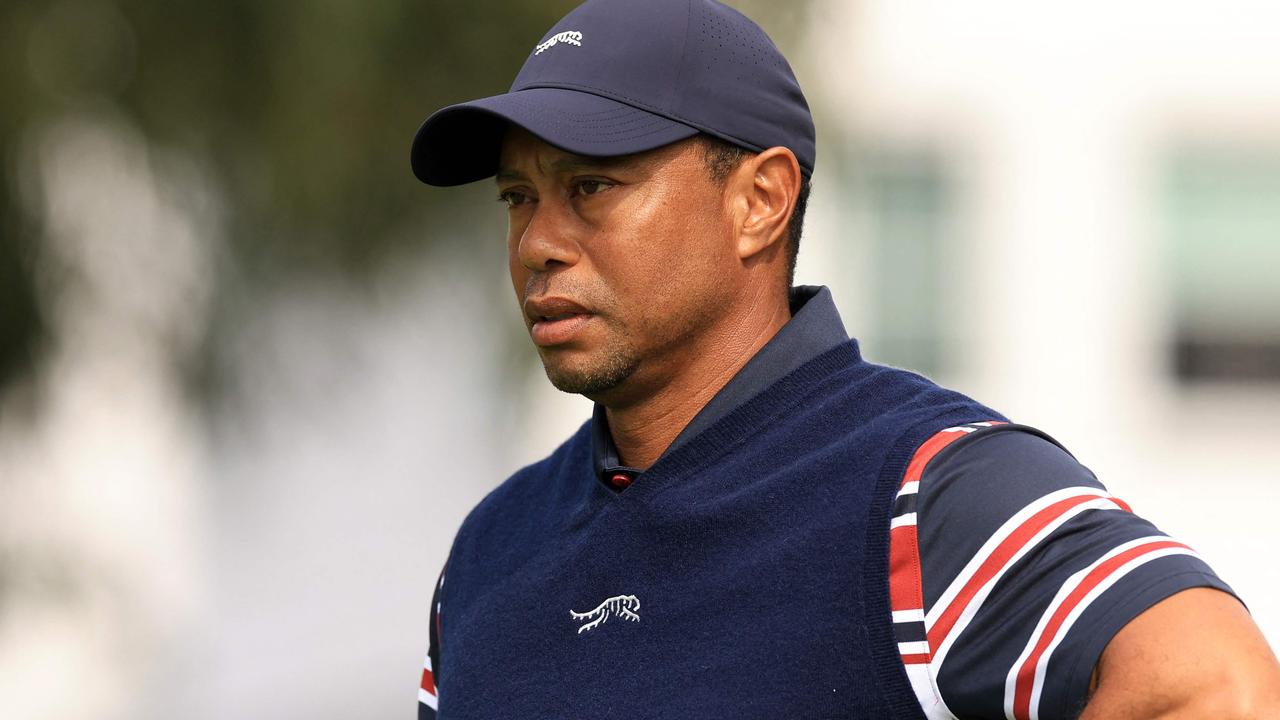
[(815, 327)]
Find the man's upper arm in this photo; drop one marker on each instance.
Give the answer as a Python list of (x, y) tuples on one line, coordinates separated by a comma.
[(1029, 569), (1195, 654)]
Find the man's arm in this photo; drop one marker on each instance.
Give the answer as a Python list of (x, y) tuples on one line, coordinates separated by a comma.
[(1040, 629), (1195, 654)]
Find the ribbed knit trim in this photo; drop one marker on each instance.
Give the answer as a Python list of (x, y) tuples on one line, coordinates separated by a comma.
[(890, 673), (891, 677)]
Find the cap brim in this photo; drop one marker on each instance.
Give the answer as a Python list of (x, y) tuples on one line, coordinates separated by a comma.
[(461, 143)]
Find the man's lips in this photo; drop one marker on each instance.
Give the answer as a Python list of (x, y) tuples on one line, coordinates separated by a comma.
[(555, 319), (552, 308)]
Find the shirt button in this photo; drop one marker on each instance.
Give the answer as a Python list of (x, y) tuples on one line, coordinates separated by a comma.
[(620, 480)]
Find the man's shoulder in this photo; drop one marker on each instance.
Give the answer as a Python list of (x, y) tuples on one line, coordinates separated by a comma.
[(1003, 452), (933, 416), (981, 473), (915, 398)]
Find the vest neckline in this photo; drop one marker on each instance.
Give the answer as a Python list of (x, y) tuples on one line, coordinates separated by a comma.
[(710, 444)]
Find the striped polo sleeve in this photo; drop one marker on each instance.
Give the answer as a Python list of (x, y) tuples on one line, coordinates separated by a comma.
[(1011, 567), (428, 691)]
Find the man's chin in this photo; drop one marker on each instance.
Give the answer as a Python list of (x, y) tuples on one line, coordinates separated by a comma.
[(590, 380)]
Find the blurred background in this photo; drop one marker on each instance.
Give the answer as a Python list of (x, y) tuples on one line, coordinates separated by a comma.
[(253, 374)]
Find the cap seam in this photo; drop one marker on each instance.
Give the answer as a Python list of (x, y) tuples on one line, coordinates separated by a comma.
[(677, 86)]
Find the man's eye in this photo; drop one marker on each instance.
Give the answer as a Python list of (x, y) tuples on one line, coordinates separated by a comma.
[(592, 187), (512, 198)]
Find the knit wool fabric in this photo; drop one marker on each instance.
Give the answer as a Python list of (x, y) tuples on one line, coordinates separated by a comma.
[(744, 575)]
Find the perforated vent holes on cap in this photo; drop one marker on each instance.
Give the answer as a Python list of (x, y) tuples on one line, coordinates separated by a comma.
[(737, 46)]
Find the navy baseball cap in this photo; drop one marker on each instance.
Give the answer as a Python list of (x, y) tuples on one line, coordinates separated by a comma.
[(615, 77)]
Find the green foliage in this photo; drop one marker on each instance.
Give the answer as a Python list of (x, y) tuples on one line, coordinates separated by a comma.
[(302, 113), (307, 109)]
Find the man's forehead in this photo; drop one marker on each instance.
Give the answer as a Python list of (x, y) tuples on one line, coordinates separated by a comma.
[(523, 152)]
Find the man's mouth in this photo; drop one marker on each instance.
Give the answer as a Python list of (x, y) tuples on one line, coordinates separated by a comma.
[(557, 329), (555, 319)]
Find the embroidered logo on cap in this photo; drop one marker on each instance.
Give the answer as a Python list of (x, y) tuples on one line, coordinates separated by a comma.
[(626, 607), (570, 37)]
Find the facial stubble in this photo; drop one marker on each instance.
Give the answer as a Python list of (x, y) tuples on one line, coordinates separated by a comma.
[(677, 333), (609, 369)]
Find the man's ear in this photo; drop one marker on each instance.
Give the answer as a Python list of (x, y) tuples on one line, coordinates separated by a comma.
[(765, 189)]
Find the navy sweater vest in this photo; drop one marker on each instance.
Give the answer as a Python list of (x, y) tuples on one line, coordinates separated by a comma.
[(743, 575)]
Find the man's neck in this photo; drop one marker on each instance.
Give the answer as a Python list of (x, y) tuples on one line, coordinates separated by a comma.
[(643, 430)]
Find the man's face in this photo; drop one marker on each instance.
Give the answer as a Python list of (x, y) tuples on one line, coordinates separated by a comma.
[(622, 266)]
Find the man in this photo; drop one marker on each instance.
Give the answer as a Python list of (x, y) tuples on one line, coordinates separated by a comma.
[(756, 522)]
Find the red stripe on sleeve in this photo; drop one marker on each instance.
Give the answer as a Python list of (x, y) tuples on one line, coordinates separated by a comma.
[(905, 592), (931, 447), (1001, 556), (1026, 673)]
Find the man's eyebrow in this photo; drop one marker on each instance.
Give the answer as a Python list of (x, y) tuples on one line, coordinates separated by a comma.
[(584, 162), (508, 175), (568, 163)]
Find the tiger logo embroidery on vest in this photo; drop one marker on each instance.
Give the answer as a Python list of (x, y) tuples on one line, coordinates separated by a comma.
[(626, 607)]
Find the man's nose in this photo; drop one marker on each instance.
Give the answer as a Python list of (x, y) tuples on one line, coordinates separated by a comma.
[(548, 239)]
